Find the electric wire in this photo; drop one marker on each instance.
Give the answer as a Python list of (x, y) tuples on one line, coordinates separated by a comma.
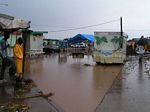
[(82, 27)]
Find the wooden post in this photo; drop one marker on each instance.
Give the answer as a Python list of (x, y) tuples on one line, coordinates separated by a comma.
[(25, 35)]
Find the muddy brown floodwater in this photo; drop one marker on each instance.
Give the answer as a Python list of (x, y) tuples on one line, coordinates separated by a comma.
[(78, 87)]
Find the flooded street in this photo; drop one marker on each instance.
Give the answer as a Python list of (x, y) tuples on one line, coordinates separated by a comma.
[(65, 56), (79, 84)]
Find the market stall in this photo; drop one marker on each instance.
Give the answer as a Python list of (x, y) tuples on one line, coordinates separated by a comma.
[(10, 25)]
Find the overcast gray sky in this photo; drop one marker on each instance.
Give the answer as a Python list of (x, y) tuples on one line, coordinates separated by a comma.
[(50, 15)]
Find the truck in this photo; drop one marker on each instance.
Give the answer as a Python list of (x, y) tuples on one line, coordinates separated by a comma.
[(109, 47)]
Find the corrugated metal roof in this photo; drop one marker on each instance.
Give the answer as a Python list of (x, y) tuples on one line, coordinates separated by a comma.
[(10, 22)]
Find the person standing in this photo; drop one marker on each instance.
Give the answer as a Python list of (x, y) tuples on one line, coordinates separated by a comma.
[(141, 44), (141, 41), (6, 60), (18, 55)]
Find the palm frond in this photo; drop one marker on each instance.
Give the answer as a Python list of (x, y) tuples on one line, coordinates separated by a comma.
[(115, 39), (104, 39), (100, 40)]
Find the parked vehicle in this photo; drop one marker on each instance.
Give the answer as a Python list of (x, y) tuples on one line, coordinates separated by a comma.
[(51, 49), (109, 47)]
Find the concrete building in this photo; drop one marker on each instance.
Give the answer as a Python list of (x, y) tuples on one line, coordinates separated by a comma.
[(35, 43)]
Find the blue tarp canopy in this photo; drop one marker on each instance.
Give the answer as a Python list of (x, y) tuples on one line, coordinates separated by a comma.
[(82, 38)]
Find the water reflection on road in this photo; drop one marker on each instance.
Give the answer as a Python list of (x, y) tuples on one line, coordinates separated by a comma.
[(130, 92), (78, 87)]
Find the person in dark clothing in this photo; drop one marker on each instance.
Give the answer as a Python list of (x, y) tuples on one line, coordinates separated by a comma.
[(142, 41), (6, 61)]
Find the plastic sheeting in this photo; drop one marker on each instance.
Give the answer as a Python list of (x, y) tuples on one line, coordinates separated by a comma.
[(10, 22), (82, 37)]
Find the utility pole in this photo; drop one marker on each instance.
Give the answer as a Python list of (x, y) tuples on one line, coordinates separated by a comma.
[(121, 26)]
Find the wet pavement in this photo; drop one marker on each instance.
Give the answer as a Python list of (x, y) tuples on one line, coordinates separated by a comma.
[(131, 90), (9, 102), (79, 84)]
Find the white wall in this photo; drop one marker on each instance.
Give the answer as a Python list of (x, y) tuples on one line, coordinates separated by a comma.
[(36, 42)]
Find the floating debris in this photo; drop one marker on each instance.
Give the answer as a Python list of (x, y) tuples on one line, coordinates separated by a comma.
[(19, 91), (87, 64), (28, 85), (14, 107), (17, 102), (46, 96)]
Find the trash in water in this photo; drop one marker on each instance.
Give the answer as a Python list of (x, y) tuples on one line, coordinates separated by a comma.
[(14, 107)]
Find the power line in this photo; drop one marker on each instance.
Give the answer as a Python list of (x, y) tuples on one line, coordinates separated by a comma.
[(77, 28), (84, 27), (49, 26), (4, 4), (137, 29)]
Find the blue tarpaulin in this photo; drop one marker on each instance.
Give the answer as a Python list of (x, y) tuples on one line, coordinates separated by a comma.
[(82, 37)]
